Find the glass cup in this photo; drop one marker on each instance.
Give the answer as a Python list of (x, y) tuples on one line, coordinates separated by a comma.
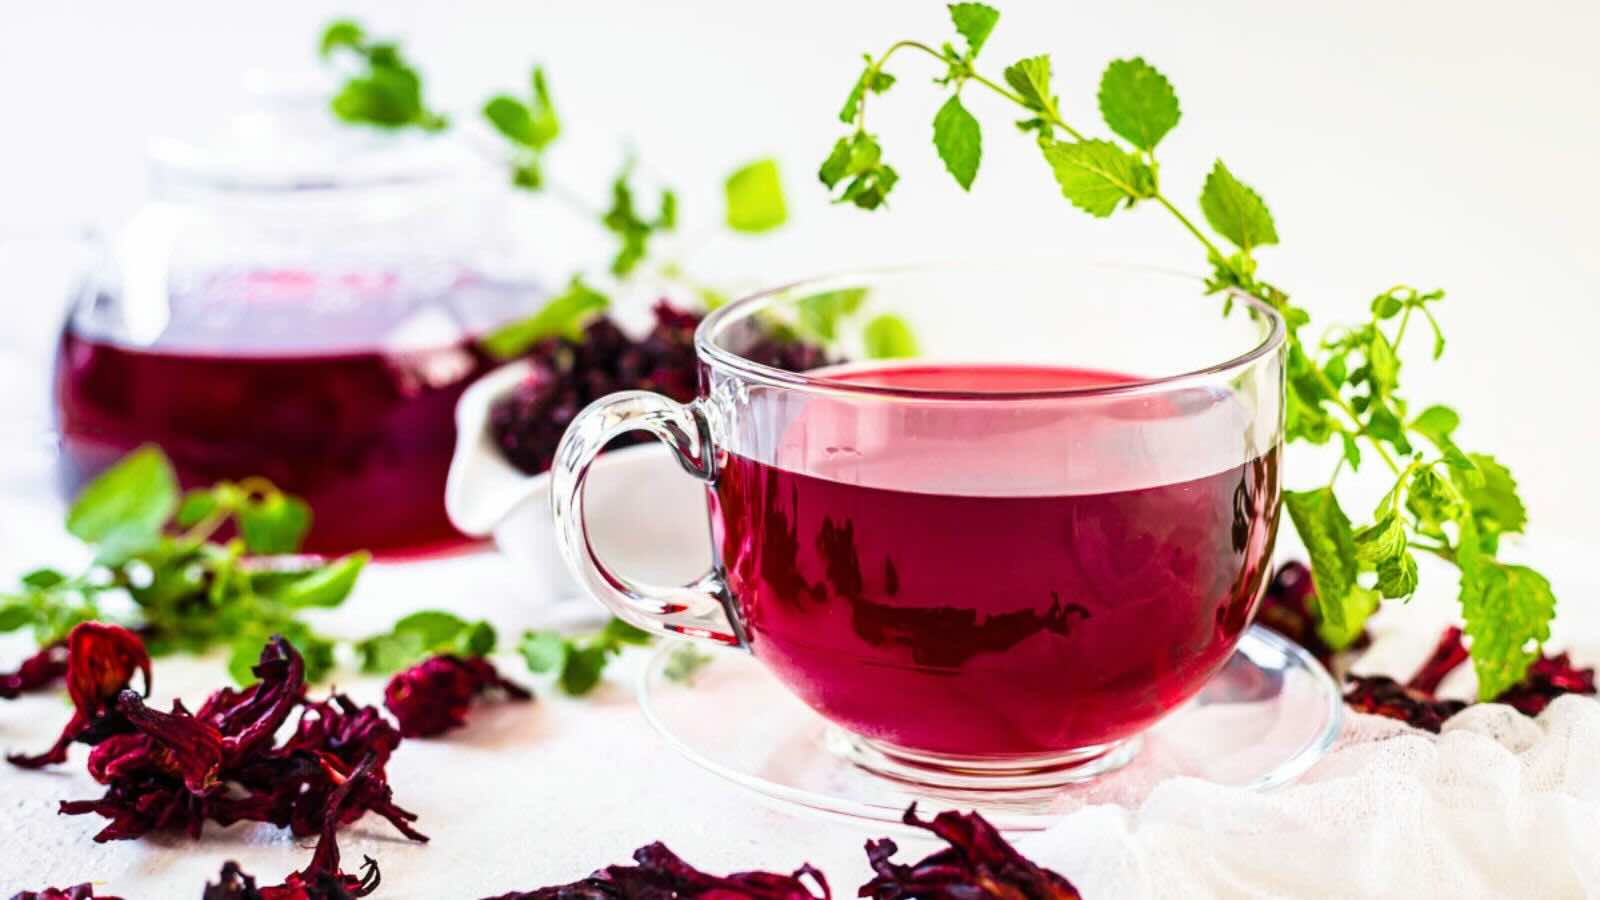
[(994, 562)]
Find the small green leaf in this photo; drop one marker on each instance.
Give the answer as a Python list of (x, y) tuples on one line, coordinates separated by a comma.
[(1236, 211), (1437, 424), (477, 639), (889, 337), (1098, 176), (546, 124), (1382, 365), (684, 663), (564, 315), (1031, 78), (125, 508), (544, 651), (340, 33), (1325, 530), (43, 579), (974, 21), (1381, 541), (620, 632), (1352, 450), (819, 315), (276, 523), (1138, 102), (755, 198), (1507, 610), (196, 506), (1397, 576), (581, 672), (870, 79), (1496, 506), (511, 118), (14, 614), (959, 141), (326, 587)]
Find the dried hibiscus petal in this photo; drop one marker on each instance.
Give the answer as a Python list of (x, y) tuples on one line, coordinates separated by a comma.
[(978, 863), (1383, 696), (83, 891), (1447, 655), (101, 662), (661, 875), (1548, 678), (36, 672), (433, 696), (235, 884)]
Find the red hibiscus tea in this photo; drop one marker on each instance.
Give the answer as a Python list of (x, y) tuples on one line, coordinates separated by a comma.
[(1002, 581)]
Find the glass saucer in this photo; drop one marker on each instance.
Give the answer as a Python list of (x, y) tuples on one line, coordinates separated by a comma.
[(1263, 720)]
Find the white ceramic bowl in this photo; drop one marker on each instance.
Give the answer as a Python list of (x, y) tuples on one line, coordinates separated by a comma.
[(646, 516)]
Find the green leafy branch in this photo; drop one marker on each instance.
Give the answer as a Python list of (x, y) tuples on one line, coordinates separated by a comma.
[(387, 92), (1448, 503)]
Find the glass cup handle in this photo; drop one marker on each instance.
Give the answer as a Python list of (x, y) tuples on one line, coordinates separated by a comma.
[(703, 609)]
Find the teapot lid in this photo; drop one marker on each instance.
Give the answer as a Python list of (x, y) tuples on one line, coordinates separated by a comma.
[(285, 138)]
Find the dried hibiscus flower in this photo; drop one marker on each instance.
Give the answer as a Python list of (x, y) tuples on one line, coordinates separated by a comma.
[(1548, 678), (83, 891), (101, 662), (433, 696), (1415, 704), (36, 672), (177, 770), (978, 863), (662, 875), (235, 884)]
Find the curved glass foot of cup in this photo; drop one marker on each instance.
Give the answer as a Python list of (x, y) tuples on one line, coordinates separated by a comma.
[(1265, 718), (944, 773)]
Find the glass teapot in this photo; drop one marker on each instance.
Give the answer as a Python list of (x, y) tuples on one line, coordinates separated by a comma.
[(300, 300)]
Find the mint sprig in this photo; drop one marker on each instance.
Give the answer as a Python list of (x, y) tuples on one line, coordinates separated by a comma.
[(384, 90), (577, 662), (1444, 501)]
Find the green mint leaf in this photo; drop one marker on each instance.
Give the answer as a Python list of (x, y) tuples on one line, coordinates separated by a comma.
[(546, 124), (754, 196), (414, 637), (974, 21), (341, 33), (1382, 541), (276, 523), (325, 587), (544, 651), (1138, 102), (1383, 366), (1031, 78), (1397, 576), (1098, 176), (1235, 211), (618, 632), (124, 510), (850, 157), (15, 614), (959, 141), (581, 673), (1492, 494), (1437, 424), (1325, 530), (43, 579), (684, 663), (818, 315), (511, 118), (870, 79), (889, 337), (196, 506), (634, 232), (1352, 450), (1507, 611), (564, 315), (477, 639)]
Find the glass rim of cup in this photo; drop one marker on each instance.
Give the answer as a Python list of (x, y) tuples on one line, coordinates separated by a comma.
[(710, 351)]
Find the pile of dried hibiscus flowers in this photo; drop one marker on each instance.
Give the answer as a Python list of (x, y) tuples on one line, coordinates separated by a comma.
[(1287, 609), (224, 763)]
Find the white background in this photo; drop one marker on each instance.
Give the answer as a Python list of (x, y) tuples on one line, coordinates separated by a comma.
[(1438, 143)]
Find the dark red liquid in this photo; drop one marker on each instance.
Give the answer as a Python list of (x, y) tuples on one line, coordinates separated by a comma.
[(364, 437), (995, 626)]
